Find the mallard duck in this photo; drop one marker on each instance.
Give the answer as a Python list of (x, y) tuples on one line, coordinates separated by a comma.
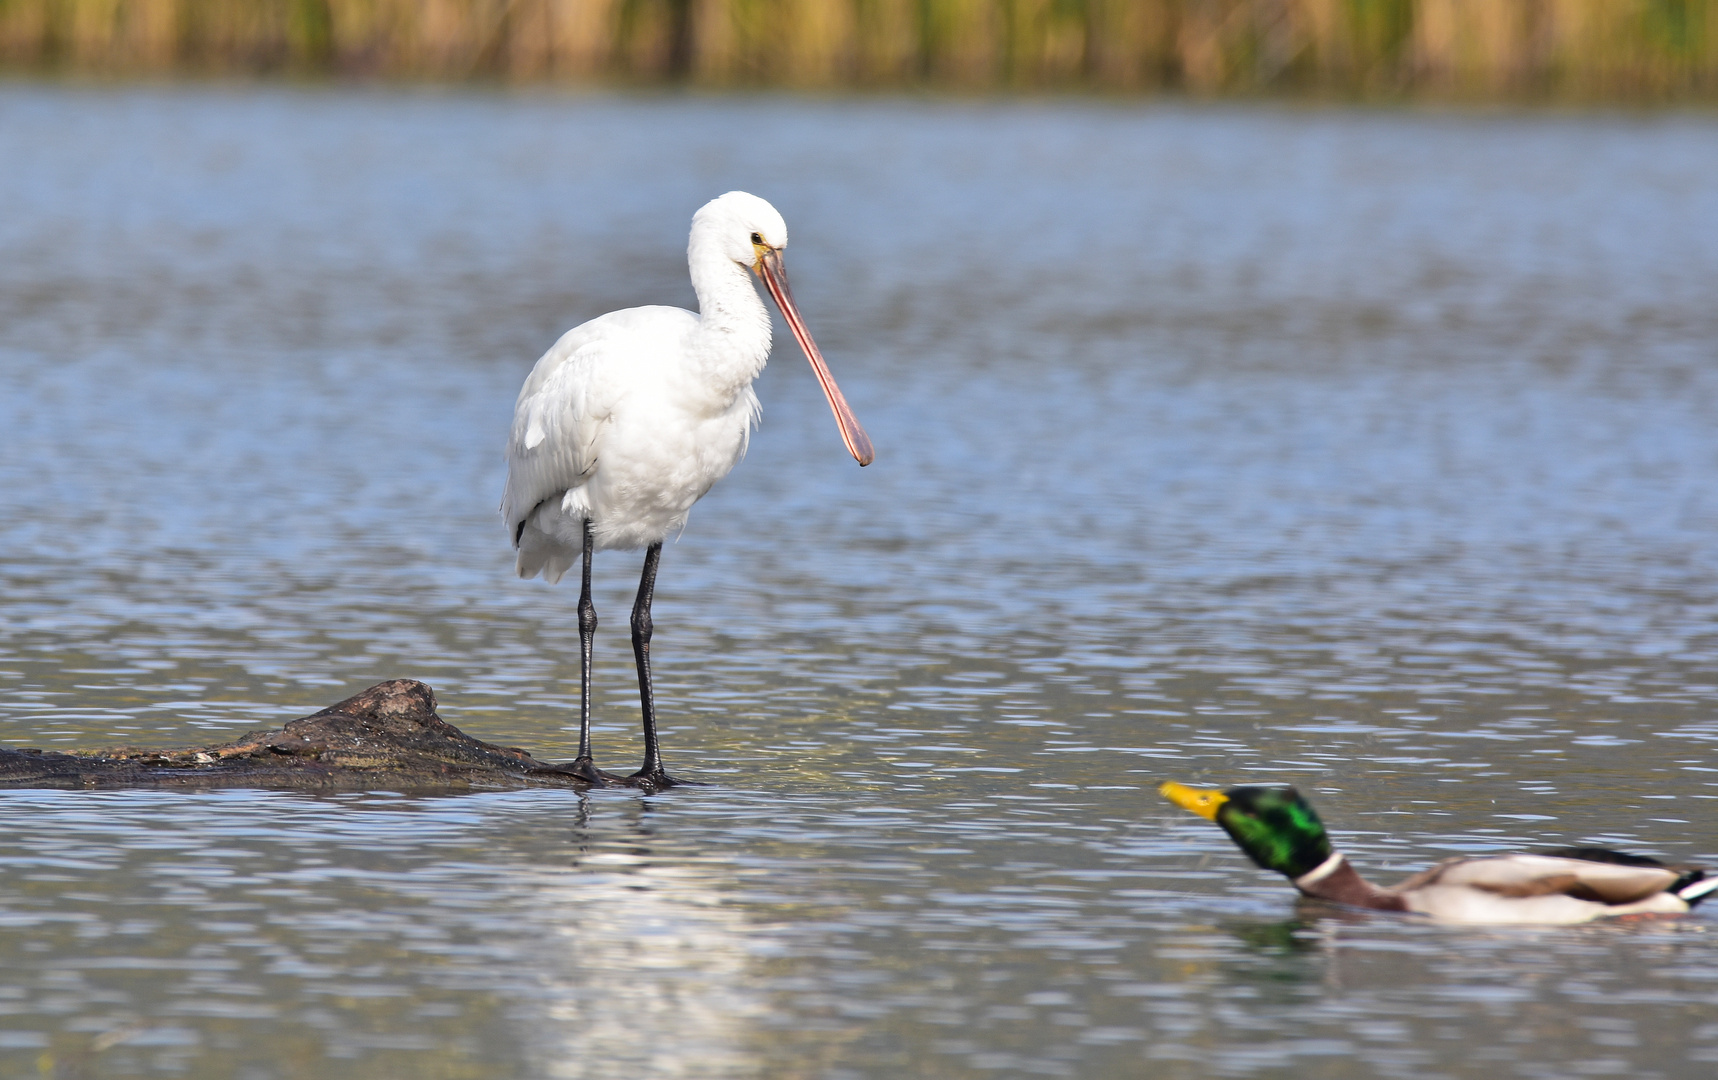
[(1279, 830)]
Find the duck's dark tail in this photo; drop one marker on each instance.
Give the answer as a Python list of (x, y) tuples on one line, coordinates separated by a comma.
[(1694, 887)]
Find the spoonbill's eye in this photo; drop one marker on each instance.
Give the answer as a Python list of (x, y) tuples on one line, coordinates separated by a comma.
[(757, 238)]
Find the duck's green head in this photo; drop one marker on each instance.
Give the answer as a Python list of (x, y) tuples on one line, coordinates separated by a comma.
[(1277, 828)]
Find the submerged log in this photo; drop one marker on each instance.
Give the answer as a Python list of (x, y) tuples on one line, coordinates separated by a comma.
[(386, 738)]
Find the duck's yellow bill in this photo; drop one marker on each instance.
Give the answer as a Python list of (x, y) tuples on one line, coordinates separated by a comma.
[(1202, 802)]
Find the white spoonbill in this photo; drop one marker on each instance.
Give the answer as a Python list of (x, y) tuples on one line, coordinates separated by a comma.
[(630, 418)]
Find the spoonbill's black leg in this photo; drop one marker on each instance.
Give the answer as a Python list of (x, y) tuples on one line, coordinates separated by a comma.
[(651, 776), (583, 767)]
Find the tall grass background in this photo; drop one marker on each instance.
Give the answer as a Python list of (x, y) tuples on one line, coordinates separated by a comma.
[(1563, 48)]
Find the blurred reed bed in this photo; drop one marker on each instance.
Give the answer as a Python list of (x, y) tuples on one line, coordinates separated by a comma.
[(1572, 48)]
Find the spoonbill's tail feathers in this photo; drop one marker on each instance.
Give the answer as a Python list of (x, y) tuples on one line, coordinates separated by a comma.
[(544, 546)]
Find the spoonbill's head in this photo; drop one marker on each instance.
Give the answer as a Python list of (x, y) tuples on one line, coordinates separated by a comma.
[(1275, 826), (742, 227), (749, 231)]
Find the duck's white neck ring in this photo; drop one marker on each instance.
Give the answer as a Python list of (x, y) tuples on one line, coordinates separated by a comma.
[(1320, 872)]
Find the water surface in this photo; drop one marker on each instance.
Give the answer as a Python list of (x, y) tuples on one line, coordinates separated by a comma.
[(1368, 451)]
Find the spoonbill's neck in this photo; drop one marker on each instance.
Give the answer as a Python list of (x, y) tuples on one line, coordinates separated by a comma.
[(733, 324)]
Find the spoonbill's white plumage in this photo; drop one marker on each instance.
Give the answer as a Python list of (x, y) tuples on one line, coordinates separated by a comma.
[(630, 418)]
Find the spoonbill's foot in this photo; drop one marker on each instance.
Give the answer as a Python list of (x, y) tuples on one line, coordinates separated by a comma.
[(585, 769), (654, 780)]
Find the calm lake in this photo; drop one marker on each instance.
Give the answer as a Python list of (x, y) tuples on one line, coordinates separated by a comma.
[(1371, 451)]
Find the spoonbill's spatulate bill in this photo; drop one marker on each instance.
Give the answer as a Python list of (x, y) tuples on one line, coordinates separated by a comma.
[(630, 418), (1279, 830)]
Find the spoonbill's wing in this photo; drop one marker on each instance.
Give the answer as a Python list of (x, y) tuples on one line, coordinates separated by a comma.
[(557, 425)]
